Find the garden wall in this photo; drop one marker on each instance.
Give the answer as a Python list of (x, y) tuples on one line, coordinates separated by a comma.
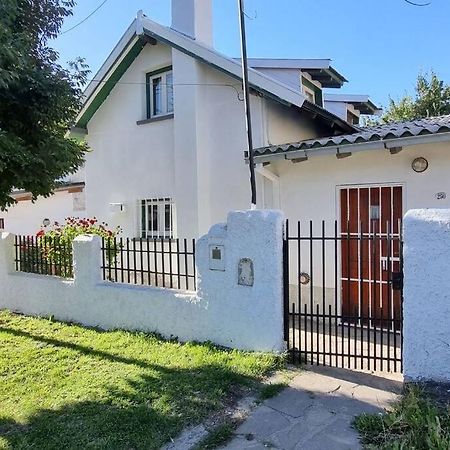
[(426, 307), (238, 302)]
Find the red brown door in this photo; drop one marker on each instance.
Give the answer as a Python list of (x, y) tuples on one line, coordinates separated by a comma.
[(370, 253)]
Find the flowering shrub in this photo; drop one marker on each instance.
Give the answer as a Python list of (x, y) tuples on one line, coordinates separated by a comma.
[(55, 242)]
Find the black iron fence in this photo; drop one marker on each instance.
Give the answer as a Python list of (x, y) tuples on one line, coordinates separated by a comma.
[(44, 255), (168, 263), (343, 295)]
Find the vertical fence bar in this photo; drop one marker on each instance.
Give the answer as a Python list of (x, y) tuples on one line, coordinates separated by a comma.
[(128, 259), (163, 262), (293, 349), (311, 289), (141, 260), (194, 265), (103, 259), (178, 265), (323, 292), (186, 266), (149, 271), (155, 254), (286, 317), (375, 298), (16, 252), (170, 262), (121, 260), (400, 232), (389, 292), (336, 312), (361, 290)]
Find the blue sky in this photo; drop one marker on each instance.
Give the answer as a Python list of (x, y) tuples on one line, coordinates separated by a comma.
[(378, 45)]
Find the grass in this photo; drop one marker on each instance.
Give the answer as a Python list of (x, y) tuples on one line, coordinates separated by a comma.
[(217, 437), (65, 386), (271, 390), (415, 422)]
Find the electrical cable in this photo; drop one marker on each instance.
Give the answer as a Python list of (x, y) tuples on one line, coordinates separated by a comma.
[(86, 18)]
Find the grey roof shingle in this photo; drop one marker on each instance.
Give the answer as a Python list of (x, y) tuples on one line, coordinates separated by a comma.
[(419, 127)]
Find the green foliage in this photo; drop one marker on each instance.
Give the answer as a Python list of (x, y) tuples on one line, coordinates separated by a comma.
[(414, 423), (271, 390), (39, 99), (64, 386), (432, 98), (55, 242), (217, 437)]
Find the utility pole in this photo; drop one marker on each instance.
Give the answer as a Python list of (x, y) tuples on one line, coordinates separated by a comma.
[(248, 117)]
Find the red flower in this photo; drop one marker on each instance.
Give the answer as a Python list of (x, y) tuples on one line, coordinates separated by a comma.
[(40, 233)]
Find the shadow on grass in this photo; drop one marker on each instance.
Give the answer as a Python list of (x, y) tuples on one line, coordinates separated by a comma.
[(144, 412)]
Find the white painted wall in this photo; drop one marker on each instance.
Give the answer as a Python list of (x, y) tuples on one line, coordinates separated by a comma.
[(222, 311), (195, 158), (26, 217), (129, 162), (427, 295), (309, 190)]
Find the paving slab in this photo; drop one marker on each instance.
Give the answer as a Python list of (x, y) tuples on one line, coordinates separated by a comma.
[(316, 411)]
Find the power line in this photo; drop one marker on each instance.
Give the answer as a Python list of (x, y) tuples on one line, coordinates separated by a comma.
[(236, 87), (86, 18), (417, 4)]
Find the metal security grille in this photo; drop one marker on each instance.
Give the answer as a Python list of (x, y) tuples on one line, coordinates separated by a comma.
[(343, 294), (168, 263), (44, 255)]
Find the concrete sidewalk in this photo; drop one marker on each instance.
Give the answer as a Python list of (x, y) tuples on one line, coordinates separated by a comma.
[(316, 411)]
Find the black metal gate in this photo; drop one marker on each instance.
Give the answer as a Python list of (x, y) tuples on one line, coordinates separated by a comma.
[(343, 295)]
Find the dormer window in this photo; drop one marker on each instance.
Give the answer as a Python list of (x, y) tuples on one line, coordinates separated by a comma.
[(312, 92), (159, 93)]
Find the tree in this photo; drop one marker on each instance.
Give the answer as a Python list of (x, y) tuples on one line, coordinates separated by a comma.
[(39, 99), (432, 98)]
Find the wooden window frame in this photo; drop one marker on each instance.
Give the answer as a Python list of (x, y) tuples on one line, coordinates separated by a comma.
[(149, 77)]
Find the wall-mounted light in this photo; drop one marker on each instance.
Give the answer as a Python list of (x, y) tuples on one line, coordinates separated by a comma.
[(116, 207), (46, 222), (419, 164)]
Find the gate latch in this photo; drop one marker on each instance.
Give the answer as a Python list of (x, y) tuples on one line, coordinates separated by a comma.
[(397, 281)]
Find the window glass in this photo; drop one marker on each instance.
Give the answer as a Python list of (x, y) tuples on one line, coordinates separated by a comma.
[(157, 96), (169, 88), (168, 217), (157, 218)]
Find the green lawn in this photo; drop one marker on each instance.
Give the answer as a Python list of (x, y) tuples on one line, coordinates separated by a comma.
[(65, 386)]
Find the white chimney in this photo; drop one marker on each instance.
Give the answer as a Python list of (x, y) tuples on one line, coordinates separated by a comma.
[(194, 19)]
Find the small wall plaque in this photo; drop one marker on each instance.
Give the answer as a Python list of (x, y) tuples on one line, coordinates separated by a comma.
[(245, 272), (441, 196), (217, 257)]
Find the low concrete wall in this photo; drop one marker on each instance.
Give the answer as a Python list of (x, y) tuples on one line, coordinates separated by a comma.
[(427, 295), (221, 311)]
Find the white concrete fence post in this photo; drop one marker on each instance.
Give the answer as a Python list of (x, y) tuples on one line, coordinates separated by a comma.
[(7, 253), (87, 258), (426, 306)]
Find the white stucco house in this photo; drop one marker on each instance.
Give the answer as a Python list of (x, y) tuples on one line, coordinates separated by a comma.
[(164, 118)]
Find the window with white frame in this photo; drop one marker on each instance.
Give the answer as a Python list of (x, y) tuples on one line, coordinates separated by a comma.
[(159, 93), (157, 218)]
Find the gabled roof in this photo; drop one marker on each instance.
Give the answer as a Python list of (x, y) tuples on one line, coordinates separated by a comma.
[(143, 31), (319, 69), (389, 136), (361, 102)]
